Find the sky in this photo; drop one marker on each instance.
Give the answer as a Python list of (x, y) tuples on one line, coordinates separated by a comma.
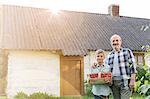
[(130, 8)]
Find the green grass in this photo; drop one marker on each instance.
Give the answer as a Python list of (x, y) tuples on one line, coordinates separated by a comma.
[(137, 96), (3, 97), (134, 96)]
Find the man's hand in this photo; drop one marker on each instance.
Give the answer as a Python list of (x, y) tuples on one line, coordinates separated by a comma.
[(132, 81), (131, 84)]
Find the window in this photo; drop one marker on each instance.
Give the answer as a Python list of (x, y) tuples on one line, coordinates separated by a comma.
[(139, 57)]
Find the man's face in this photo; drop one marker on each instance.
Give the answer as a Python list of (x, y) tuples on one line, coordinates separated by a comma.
[(116, 43)]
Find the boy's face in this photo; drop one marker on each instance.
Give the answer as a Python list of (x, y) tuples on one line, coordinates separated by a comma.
[(100, 57)]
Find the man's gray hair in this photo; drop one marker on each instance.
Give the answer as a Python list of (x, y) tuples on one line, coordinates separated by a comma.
[(114, 36)]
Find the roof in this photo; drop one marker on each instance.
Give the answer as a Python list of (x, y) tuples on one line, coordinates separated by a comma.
[(74, 33)]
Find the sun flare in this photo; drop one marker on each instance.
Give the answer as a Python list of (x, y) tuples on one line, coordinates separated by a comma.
[(55, 11), (54, 7)]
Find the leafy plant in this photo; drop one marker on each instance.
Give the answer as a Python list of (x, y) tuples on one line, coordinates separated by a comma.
[(88, 89), (21, 95), (144, 90), (143, 76), (143, 81), (141, 72), (39, 95)]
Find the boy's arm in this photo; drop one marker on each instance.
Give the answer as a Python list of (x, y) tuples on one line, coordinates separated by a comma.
[(88, 80), (88, 75)]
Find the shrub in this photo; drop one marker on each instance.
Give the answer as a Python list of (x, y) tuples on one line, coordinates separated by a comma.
[(21, 95), (143, 81), (144, 90), (88, 89), (141, 72), (39, 95)]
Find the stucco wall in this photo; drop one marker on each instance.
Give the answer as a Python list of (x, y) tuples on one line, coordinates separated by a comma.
[(33, 71)]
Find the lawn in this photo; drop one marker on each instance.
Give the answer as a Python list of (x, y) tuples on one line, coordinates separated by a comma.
[(3, 97), (135, 96)]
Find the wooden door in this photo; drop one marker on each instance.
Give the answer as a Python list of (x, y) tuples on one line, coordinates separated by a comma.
[(3, 71), (71, 76)]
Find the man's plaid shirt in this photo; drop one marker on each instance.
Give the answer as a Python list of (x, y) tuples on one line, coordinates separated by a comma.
[(126, 61)]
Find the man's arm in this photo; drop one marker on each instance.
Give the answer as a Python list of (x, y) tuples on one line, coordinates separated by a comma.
[(132, 81), (133, 69), (132, 62)]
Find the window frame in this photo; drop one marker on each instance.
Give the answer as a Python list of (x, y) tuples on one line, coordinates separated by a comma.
[(136, 55)]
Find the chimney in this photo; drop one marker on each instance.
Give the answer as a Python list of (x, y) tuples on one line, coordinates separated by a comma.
[(113, 10)]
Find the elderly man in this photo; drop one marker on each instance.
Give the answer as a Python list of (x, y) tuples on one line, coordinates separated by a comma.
[(122, 66)]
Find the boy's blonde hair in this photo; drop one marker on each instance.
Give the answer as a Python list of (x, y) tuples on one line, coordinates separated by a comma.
[(99, 51)]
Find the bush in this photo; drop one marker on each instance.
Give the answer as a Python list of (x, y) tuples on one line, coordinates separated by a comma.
[(143, 81), (144, 90), (21, 95), (88, 89), (39, 95), (140, 72)]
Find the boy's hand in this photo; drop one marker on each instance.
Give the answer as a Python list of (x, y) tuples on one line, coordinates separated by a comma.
[(108, 80), (94, 65), (92, 81)]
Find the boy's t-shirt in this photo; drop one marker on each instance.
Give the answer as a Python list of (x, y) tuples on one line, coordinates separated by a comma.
[(100, 89)]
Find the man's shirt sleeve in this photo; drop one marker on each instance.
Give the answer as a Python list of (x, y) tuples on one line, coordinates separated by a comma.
[(132, 62)]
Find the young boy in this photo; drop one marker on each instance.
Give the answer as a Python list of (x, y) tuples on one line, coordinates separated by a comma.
[(101, 90)]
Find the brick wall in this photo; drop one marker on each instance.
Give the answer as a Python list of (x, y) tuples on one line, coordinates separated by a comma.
[(113, 10)]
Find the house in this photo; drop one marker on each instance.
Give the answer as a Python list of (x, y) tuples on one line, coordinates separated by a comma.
[(40, 51)]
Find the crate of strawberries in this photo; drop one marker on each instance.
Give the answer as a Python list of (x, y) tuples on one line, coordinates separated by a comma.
[(100, 78)]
